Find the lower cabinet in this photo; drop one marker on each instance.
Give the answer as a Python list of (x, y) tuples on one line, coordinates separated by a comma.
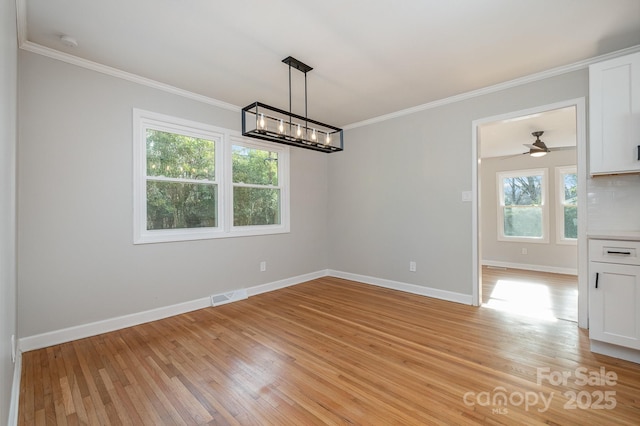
[(614, 304), (614, 297)]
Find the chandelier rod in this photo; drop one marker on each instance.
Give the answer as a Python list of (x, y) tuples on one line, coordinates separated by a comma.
[(305, 99), (290, 120), (304, 68)]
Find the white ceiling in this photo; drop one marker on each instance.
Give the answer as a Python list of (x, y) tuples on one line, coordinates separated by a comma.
[(507, 137), (370, 57)]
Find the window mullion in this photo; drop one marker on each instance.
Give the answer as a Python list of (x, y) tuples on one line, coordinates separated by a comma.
[(181, 180), (251, 185)]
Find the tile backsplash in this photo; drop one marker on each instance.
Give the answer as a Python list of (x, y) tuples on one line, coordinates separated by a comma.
[(613, 203)]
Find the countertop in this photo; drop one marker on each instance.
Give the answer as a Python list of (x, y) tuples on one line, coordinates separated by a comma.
[(614, 235)]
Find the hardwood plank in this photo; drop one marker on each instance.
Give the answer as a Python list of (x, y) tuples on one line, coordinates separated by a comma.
[(58, 416), (329, 351), (554, 294), (28, 385)]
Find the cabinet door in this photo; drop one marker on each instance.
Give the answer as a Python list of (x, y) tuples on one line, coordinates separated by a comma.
[(614, 115), (614, 304)]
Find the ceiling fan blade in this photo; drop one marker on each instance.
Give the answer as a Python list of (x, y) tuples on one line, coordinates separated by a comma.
[(539, 148), (514, 155), (562, 148)]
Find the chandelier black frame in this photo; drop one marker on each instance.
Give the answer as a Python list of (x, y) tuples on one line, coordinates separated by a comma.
[(268, 123)]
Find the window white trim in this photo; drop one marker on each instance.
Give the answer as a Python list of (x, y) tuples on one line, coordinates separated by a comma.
[(544, 204), (223, 139), (559, 177)]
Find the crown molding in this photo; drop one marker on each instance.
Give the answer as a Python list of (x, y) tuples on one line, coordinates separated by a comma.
[(23, 43), (114, 72), (497, 87)]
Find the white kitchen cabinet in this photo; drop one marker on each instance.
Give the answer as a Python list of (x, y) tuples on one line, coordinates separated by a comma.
[(614, 292), (614, 116)]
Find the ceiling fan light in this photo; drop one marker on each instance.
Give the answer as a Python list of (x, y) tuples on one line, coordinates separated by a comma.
[(537, 153)]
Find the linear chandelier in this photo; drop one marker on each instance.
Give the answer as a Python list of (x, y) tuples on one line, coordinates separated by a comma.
[(276, 125)]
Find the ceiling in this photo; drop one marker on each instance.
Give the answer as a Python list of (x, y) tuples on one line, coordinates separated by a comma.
[(370, 57), (507, 137)]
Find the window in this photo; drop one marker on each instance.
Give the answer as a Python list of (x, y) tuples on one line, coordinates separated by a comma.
[(194, 181), (181, 184), (567, 205), (256, 191), (522, 206)]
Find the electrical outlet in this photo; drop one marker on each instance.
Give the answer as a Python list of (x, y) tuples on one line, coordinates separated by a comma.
[(524, 250), (263, 266), (412, 266)]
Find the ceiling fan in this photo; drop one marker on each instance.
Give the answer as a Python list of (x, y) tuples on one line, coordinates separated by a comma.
[(539, 148)]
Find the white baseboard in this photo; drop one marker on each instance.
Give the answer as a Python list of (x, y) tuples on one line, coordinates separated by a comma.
[(92, 329), (264, 288), (529, 267), (56, 337), (15, 391), (408, 288)]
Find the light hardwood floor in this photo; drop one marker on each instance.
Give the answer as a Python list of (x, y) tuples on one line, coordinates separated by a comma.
[(330, 351), (540, 294)]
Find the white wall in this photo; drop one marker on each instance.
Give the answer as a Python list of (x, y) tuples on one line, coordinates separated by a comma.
[(395, 192), (76, 260), (8, 106), (551, 256)]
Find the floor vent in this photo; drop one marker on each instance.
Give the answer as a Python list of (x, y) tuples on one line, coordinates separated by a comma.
[(232, 296)]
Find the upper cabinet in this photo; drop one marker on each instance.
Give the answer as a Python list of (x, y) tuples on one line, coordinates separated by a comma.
[(614, 116)]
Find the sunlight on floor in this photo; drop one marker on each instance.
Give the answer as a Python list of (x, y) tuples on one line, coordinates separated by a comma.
[(522, 298)]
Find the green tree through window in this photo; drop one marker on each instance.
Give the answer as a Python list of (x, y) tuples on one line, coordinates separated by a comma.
[(181, 188), (521, 201), (256, 192), (570, 205)]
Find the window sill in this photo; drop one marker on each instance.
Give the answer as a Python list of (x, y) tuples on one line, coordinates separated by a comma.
[(151, 237), (532, 240)]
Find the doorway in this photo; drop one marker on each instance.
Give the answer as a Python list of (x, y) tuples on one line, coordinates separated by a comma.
[(500, 240)]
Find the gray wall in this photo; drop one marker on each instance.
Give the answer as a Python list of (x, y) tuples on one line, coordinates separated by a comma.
[(8, 102), (539, 255), (395, 192), (76, 260), (392, 196)]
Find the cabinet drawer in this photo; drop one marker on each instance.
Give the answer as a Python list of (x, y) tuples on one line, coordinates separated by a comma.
[(612, 251)]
